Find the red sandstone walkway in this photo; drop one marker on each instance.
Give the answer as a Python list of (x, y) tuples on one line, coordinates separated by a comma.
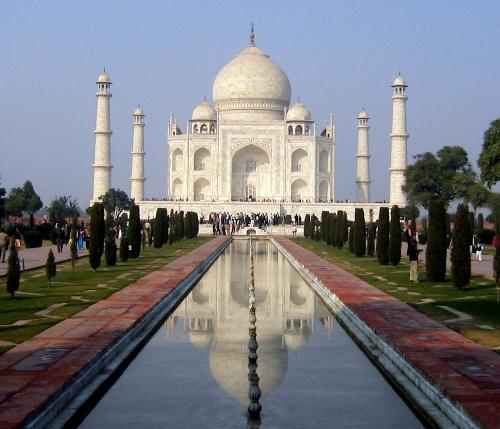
[(33, 371), (465, 371)]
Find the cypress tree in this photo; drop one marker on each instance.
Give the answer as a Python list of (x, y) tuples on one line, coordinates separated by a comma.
[(331, 229), (181, 226), (448, 230), (460, 253), (50, 266), (339, 229), (307, 222), (172, 226), (312, 227), (359, 232), (472, 225), (158, 226), (166, 225), (72, 243), (435, 255), (395, 237), (13, 269), (134, 233), (101, 228), (345, 225), (110, 242), (124, 251), (350, 238), (383, 236), (95, 244), (370, 246), (324, 225), (317, 234), (480, 223)]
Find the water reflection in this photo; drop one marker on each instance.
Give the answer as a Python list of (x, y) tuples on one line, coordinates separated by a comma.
[(216, 316)]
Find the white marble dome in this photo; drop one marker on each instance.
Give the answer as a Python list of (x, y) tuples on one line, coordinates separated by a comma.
[(298, 112), (103, 78), (399, 81), (252, 82), (204, 112)]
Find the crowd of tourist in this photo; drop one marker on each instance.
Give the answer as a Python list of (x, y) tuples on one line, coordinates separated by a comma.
[(225, 223)]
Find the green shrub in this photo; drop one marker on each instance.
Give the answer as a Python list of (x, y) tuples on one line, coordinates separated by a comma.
[(370, 246), (436, 242), (288, 219), (134, 233), (460, 253), (96, 242), (359, 232), (45, 229), (158, 225), (124, 250), (331, 229), (307, 222), (324, 225), (33, 238), (395, 237), (383, 236), (110, 242), (486, 236), (339, 229)]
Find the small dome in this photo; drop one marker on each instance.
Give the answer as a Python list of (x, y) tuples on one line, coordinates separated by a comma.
[(298, 112), (103, 78), (204, 112), (138, 111), (363, 115), (399, 81)]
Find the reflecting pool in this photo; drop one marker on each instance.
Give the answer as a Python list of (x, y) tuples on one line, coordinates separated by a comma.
[(193, 373)]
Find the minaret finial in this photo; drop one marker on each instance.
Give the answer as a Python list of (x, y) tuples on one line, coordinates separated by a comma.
[(252, 35), (298, 99)]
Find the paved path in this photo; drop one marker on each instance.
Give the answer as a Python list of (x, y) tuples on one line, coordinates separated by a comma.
[(464, 371), (37, 257), (32, 372)]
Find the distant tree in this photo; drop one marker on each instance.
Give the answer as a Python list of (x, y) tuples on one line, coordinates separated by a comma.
[(23, 200), (332, 229), (489, 159), (158, 227), (324, 225), (110, 247), (124, 251), (359, 232), (436, 176), (115, 201), (339, 229), (480, 223), (96, 244), (383, 236), (62, 207), (134, 234), (13, 270), (307, 221), (460, 253), (72, 243), (370, 246), (436, 242), (395, 237), (50, 267), (345, 225)]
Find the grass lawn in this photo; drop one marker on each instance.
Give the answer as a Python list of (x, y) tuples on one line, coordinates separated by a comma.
[(72, 292), (478, 300)]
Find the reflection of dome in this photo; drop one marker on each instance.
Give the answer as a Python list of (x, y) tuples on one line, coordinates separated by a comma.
[(399, 81), (296, 339), (298, 112), (252, 82), (295, 295), (199, 296), (239, 293), (201, 339), (229, 367), (204, 112)]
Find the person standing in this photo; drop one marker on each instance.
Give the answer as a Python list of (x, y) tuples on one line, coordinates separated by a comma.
[(412, 253), (4, 244), (479, 251)]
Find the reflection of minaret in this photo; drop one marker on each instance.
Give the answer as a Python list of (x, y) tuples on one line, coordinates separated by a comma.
[(363, 157), (137, 178), (102, 161), (399, 138)]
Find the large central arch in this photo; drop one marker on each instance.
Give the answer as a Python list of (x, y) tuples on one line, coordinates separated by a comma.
[(250, 173)]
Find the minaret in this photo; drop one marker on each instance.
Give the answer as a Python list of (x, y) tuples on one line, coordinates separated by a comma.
[(363, 157), (102, 160), (137, 178), (399, 137)]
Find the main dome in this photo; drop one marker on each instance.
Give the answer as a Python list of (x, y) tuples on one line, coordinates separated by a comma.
[(252, 83)]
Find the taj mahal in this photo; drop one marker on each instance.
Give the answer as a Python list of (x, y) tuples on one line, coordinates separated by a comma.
[(249, 151)]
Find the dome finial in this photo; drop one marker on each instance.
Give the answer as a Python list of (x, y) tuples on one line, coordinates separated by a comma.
[(298, 99), (204, 98), (252, 35)]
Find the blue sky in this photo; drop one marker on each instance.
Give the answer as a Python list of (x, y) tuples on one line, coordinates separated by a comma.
[(339, 56)]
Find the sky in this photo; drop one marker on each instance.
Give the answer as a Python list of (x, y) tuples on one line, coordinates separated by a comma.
[(340, 56)]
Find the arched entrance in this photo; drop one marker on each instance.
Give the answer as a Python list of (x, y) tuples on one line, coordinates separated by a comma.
[(299, 190), (202, 190), (250, 174)]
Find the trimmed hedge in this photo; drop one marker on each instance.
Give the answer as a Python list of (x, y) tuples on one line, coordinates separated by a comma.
[(33, 238)]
